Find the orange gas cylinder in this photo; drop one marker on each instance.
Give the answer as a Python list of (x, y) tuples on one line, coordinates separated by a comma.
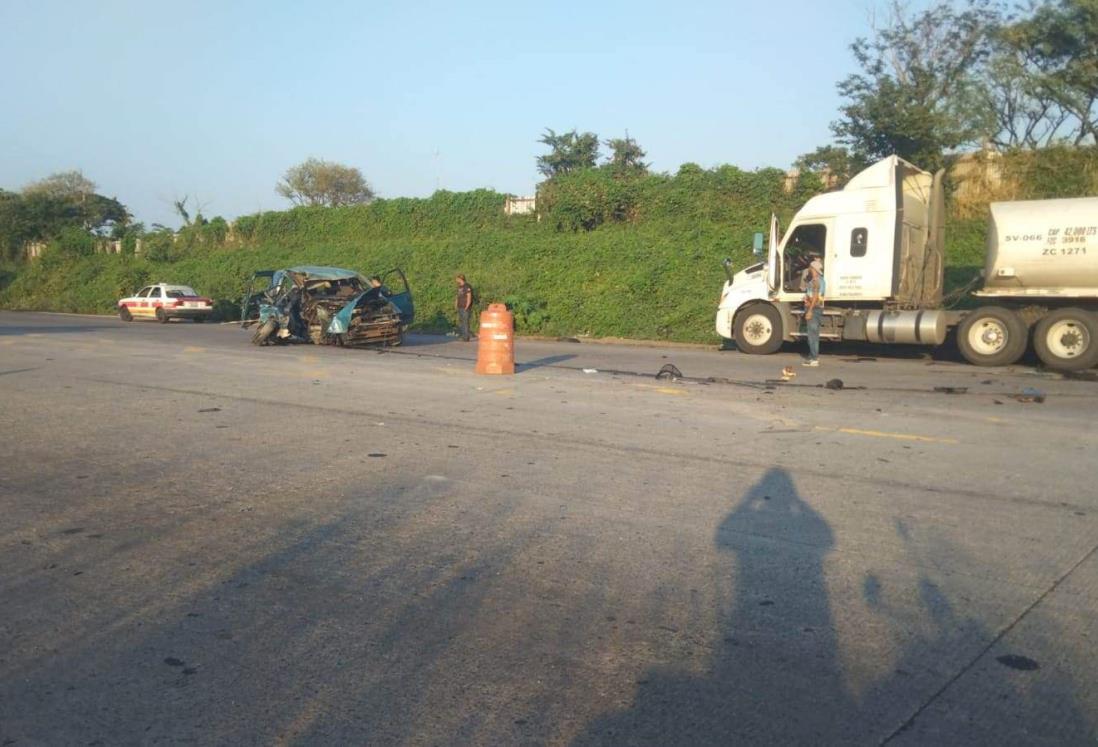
[(496, 341)]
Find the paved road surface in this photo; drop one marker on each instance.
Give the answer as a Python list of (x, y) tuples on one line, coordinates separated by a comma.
[(206, 542)]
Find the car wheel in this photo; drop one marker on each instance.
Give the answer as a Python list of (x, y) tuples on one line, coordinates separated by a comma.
[(125, 315), (161, 315), (264, 331), (1067, 340), (992, 336), (758, 329)]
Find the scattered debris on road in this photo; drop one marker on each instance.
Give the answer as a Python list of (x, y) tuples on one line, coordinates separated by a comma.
[(669, 371), (590, 370), (788, 374), (951, 389), (834, 384), (1030, 394)]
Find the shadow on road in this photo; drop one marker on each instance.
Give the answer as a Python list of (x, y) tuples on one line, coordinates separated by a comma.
[(325, 632), (43, 329), (777, 674), (549, 360)]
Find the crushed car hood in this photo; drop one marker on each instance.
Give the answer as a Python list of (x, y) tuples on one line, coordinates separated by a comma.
[(341, 322)]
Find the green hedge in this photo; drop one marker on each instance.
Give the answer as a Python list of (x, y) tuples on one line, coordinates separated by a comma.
[(606, 257)]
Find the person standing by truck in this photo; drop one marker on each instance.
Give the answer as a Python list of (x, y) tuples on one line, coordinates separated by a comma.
[(464, 304), (815, 288)]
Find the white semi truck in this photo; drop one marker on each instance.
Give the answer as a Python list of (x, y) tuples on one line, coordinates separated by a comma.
[(881, 239)]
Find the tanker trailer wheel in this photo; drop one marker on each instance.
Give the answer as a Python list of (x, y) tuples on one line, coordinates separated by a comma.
[(264, 332), (992, 336), (1067, 339), (758, 329)]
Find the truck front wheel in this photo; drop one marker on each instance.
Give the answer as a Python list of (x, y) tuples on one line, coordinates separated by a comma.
[(1067, 339), (992, 336), (758, 329)]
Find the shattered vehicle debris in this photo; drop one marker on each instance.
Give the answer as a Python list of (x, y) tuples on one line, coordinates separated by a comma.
[(326, 306)]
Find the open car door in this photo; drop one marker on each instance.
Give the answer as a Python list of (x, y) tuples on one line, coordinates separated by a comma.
[(773, 276), (249, 304), (400, 295)]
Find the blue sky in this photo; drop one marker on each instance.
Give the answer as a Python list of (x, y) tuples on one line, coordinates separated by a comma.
[(156, 100)]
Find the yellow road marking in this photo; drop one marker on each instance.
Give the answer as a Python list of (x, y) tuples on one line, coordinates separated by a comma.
[(193, 349), (662, 389), (308, 358), (885, 434)]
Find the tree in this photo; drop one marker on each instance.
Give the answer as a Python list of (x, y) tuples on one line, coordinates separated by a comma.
[(63, 185), (1026, 115), (626, 157), (835, 160), (317, 182), (918, 93), (69, 196), (569, 152), (180, 207), (1054, 53)]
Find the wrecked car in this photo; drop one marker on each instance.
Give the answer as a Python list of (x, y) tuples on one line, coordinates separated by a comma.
[(326, 306)]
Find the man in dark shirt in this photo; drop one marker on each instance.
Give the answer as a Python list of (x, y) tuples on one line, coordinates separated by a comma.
[(463, 303)]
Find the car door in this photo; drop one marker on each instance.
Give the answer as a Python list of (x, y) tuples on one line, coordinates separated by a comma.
[(156, 298), (141, 303), (400, 295), (253, 293)]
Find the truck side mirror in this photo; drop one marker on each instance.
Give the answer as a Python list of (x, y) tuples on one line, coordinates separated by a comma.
[(757, 247)]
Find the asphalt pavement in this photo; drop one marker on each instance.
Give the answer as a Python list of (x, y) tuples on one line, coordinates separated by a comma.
[(211, 543)]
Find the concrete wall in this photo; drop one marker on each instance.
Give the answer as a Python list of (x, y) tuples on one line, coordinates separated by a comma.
[(520, 205)]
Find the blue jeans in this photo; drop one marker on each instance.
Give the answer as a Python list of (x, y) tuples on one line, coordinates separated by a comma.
[(463, 322), (812, 328)]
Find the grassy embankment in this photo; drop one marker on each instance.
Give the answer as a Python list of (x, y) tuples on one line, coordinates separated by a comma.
[(610, 258)]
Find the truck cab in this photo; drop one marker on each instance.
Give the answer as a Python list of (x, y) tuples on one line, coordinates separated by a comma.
[(880, 242)]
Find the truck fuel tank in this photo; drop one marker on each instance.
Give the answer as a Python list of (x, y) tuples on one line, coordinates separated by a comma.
[(928, 327)]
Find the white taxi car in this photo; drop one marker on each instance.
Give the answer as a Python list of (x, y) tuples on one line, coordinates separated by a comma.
[(164, 302)]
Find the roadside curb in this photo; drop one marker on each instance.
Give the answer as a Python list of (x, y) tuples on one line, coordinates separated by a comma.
[(622, 341), (618, 341)]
